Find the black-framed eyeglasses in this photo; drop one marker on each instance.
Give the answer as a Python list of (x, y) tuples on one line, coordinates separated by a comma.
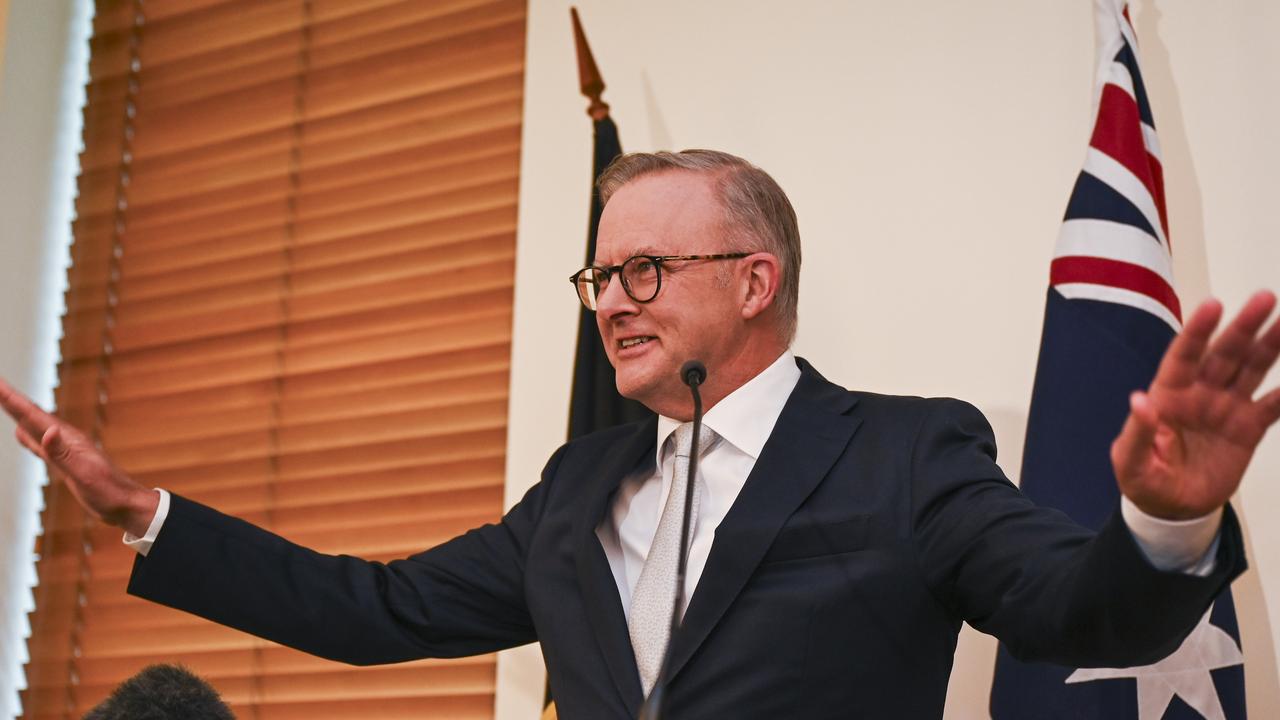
[(641, 276)]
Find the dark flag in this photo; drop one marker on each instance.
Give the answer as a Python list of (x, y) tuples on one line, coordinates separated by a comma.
[(1110, 314), (595, 403)]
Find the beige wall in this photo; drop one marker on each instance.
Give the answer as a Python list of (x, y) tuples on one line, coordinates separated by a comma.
[(929, 148)]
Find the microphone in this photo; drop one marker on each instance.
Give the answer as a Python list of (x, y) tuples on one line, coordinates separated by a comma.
[(693, 373)]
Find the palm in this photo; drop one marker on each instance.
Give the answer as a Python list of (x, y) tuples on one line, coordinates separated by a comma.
[(97, 484), (93, 479), (1189, 438)]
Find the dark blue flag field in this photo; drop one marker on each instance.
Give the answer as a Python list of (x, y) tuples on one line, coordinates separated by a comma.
[(1110, 314)]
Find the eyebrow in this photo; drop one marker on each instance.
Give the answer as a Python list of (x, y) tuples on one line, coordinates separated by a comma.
[(642, 250)]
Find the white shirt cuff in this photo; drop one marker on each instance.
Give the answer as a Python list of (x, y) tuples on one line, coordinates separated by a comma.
[(1187, 546), (142, 545)]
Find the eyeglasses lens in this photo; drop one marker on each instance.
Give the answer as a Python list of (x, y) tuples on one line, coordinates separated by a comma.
[(640, 277), (589, 287)]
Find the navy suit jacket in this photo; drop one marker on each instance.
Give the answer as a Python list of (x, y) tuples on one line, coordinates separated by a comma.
[(871, 527)]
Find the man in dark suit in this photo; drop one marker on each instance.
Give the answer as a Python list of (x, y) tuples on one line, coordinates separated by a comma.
[(839, 540)]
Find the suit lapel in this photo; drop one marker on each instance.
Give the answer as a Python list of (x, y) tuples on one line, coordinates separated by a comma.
[(599, 590), (810, 435)]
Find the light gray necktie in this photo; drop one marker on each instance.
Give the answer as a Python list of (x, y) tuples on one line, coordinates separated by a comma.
[(655, 593)]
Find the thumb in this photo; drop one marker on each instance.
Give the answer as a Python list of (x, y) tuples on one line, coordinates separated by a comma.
[(1270, 408), (1136, 441), (55, 448)]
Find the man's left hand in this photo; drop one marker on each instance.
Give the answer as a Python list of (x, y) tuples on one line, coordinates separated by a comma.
[(1190, 436)]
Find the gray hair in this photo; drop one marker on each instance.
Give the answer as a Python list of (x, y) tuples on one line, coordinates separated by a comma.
[(756, 211)]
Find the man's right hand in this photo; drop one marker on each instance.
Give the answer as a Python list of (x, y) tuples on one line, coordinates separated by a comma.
[(102, 488)]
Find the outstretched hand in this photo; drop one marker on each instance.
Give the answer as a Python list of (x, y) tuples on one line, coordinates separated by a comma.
[(1190, 436), (103, 489)]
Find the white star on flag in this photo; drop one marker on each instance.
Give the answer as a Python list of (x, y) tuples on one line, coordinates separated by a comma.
[(1185, 673)]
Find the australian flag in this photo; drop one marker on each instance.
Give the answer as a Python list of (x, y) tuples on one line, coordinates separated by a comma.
[(1110, 314)]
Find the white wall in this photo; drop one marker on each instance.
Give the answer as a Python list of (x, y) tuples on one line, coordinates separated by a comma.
[(41, 80), (929, 148)]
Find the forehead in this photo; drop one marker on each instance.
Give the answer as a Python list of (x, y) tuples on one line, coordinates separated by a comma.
[(667, 213)]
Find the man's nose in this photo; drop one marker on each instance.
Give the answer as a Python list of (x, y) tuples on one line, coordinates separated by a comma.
[(613, 300)]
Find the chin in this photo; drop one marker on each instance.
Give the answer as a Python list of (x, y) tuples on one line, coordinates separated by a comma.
[(628, 388), (635, 386)]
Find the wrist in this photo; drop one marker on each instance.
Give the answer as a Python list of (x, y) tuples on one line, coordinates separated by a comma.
[(139, 511), (1174, 545), (1162, 508)]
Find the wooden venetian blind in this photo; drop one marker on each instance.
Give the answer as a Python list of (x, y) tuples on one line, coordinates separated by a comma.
[(290, 298)]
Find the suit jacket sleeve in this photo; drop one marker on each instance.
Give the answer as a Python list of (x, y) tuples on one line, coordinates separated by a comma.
[(1048, 588), (463, 597)]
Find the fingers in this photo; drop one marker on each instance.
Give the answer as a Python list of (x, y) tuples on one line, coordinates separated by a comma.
[(1234, 345), (1270, 404), (29, 443), (1133, 447), (1262, 356), (1181, 363), (24, 412)]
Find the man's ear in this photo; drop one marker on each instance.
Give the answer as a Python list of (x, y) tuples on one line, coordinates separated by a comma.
[(762, 274)]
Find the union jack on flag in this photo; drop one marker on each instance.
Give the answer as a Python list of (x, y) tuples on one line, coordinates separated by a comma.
[(1114, 243), (1110, 313)]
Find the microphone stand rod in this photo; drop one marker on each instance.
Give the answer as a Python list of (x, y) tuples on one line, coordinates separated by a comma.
[(693, 373)]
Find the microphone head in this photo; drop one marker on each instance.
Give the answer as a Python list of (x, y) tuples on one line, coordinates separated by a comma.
[(693, 373)]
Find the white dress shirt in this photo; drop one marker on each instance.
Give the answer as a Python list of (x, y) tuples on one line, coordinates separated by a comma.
[(742, 422)]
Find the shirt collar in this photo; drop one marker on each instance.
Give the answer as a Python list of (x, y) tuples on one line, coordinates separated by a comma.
[(746, 416)]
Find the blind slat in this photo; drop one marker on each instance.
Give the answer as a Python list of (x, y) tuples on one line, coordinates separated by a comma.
[(290, 297)]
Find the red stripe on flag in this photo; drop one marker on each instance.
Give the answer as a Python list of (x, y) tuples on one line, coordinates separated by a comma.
[(1118, 133), (1117, 274)]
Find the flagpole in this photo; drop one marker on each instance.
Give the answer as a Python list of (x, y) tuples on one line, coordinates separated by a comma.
[(589, 79)]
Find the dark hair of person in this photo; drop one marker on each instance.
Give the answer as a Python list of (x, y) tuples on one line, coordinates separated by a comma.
[(162, 692)]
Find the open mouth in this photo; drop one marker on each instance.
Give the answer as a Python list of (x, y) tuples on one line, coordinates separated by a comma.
[(632, 342)]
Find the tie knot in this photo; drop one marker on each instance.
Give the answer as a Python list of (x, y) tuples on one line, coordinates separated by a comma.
[(684, 439)]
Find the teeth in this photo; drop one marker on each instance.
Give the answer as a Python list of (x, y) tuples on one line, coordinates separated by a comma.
[(634, 341)]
